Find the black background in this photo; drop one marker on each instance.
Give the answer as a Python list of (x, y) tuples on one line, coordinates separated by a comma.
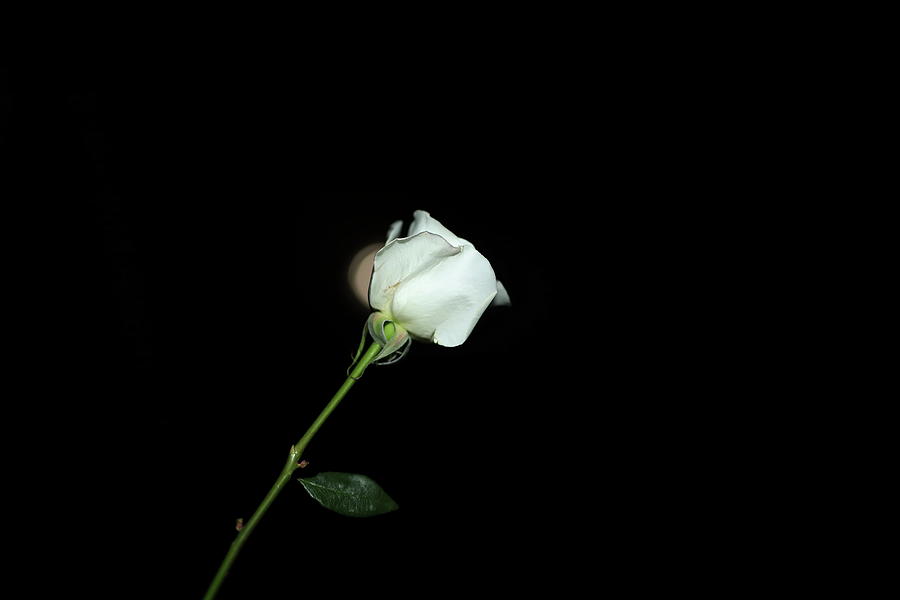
[(193, 317)]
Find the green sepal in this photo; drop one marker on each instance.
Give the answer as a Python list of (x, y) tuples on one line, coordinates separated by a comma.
[(359, 351), (379, 326)]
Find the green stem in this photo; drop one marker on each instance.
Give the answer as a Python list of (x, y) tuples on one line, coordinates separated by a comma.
[(291, 466)]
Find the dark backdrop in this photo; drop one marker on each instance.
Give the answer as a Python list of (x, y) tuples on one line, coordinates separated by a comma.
[(194, 317)]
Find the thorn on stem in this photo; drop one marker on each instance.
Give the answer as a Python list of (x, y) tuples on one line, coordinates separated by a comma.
[(239, 524)]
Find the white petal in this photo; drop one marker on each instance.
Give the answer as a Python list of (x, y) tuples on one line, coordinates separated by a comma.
[(422, 221), (394, 230), (401, 259), (444, 302), (502, 297)]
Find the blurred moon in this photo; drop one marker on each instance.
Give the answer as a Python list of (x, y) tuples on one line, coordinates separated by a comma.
[(360, 272)]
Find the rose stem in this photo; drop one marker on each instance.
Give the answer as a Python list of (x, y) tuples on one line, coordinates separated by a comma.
[(291, 465)]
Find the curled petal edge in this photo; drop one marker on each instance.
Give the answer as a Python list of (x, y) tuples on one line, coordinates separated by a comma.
[(394, 231), (502, 297)]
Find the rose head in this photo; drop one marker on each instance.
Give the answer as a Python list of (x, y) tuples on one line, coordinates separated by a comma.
[(431, 284)]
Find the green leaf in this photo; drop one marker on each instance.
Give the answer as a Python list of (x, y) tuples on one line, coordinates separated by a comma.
[(349, 494)]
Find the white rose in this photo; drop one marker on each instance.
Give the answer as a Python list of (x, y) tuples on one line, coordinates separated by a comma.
[(431, 284)]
